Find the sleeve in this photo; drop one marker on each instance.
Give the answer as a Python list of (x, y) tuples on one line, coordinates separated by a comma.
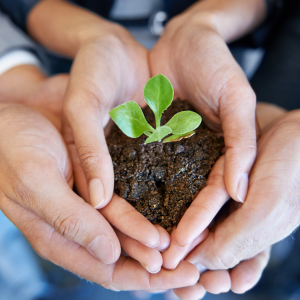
[(274, 8), (18, 10), (12, 39)]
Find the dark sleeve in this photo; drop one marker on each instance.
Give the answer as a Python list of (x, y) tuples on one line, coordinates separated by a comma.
[(259, 37), (18, 10), (274, 8)]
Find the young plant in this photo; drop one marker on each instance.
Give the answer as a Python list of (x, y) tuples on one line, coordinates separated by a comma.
[(158, 93)]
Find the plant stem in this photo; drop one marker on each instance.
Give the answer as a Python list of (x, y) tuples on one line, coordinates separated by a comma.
[(157, 121)]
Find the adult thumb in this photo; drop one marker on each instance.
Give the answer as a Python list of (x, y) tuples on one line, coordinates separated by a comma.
[(237, 113)]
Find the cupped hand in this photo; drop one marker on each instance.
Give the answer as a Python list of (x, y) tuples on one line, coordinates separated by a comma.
[(205, 208), (46, 95), (36, 176), (107, 71), (196, 59), (269, 214)]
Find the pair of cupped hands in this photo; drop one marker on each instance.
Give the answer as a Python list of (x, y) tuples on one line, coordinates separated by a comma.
[(85, 233)]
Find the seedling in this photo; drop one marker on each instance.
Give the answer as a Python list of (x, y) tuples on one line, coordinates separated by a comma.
[(158, 93)]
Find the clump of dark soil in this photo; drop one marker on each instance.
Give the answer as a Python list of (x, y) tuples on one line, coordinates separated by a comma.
[(161, 180)]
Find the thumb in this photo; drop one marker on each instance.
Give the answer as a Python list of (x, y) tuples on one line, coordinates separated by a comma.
[(237, 113), (47, 194), (92, 164)]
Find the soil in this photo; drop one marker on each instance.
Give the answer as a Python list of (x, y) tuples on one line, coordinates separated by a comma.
[(161, 180)]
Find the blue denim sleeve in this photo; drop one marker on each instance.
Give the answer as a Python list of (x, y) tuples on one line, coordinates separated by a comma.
[(18, 10)]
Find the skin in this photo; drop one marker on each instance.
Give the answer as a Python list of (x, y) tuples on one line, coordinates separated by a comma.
[(217, 94), (117, 210), (35, 181), (129, 225), (240, 241), (98, 82), (269, 183), (193, 54)]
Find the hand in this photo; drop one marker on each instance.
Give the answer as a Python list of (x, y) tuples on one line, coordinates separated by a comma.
[(26, 84), (36, 176), (202, 210), (46, 94), (262, 220), (105, 73), (193, 54)]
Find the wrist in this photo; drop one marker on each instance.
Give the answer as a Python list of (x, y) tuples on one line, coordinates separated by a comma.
[(231, 19), (64, 28)]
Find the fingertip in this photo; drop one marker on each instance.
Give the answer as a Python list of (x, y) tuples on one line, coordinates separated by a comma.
[(242, 188), (245, 275), (97, 196), (191, 293), (164, 242), (193, 272), (152, 240), (216, 282), (128, 220), (102, 248), (152, 269)]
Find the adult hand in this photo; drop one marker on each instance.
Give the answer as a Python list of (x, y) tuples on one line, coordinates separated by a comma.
[(46, 94), (110, 67), (203, 210), (26, 84), (36, 176), (270, 212), (193, 54)]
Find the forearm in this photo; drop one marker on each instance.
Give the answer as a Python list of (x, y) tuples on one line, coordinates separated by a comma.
[(63, 27), (230, 18)]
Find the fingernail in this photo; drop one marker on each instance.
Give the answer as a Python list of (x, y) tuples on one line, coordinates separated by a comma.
[(151, 246), (162, 248), (96, 193), (103, 249), (152, 272), (242, 189), (179, 245)]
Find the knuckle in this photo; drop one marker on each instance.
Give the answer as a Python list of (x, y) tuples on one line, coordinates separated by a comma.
[(84, 102), (23, 194), (224, 260), (89, 160), (69, 226)]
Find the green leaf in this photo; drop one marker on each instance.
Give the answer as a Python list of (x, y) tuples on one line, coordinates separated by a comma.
[(184, 122), (158, 134), (177, 137), (130, 119), (158, 93)]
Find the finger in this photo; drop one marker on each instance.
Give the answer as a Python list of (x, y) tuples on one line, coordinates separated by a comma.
[(93, 169), (164, 240), (204, 207), (126, 274), (194, 292), (128, 220), (149, 258), (43, 190), (237, 114), (216, 282), (175, 253), (246, 274), (86, 105)]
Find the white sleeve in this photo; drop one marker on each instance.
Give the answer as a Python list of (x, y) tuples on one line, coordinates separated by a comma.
[(16, 58)]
